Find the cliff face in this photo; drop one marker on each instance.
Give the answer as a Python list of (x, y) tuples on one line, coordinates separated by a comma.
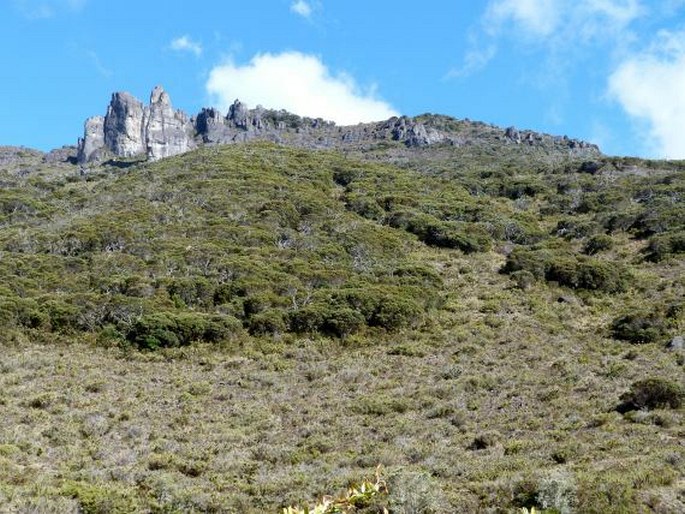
[(156, 131), (131, 129)]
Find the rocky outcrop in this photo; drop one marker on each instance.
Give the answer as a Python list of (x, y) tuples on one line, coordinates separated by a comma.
[(414, 134), (91, 147), (167, 132), (157, 131), (124, 125), (130, 129)]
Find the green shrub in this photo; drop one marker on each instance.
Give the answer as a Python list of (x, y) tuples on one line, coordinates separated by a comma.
[(343, 321), (524, 279), (154, 331), (467, 238), (364, 206), (652, 393), (444, 234), (191, 291), (168, 329), (588, 274), (345, 176), (268, 322), (598, 243), (639, 328), (63, 317), (308, 319), (663, 246), (101, 499), (394, 313), (535, 262), (576, 229)]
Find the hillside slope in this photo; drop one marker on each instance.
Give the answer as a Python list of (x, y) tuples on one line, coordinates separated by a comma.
[(245, 327)]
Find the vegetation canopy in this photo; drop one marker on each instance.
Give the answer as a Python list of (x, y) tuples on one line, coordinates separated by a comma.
[(253, 327)]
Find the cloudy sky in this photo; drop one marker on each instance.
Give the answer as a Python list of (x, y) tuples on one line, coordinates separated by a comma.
[(608, 71)]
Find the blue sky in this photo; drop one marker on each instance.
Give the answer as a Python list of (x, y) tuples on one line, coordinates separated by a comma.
[(608, 71)]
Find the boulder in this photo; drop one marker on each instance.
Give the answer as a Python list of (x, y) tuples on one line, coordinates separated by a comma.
[(677, 343)]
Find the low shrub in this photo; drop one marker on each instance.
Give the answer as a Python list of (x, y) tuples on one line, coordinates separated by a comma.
[(535, 262), (169, 330), (588, 274), (598, 243), (576, 273), (394, 313), (662, 246), (339, 321), (652, 393), (639, 328), (268, 322), (343, 322)]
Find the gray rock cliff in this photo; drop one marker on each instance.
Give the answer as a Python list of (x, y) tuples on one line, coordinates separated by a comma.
[(124, 125), (157, 131), (130, 129), (93, 143), (167, 132)]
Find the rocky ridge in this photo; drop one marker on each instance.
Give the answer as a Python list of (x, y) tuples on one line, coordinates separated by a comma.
[(155, 131)]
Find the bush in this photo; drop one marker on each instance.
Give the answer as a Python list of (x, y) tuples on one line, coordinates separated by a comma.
[(345, 176), (524, 279), (574, 229), (394, 313), (652, 393), (343, 322), (584, 273), (468, 238), (191, 291), (308, 319), (639, 328), (588, 274), (598, 243), (268, 322), (364, 206), (535, 262), (169, 330), (661, 247)]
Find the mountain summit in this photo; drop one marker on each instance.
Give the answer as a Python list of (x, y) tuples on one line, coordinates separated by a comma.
[(157, 130)]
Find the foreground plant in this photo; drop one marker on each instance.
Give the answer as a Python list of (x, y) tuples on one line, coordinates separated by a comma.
[(356, 497)]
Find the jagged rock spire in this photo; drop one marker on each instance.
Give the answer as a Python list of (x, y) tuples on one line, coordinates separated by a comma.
[(130, 129)]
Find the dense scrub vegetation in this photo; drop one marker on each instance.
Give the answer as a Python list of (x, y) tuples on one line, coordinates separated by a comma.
[(245, 328)]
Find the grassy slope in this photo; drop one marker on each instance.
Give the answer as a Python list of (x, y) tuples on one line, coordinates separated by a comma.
[(473, 392)]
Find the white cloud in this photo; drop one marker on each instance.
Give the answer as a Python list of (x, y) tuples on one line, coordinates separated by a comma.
[(553, 19), (99, 66), (186, 44), (302, 8), (299, 83), (537, 17), (650, 87), (475, 60), (562, 29)]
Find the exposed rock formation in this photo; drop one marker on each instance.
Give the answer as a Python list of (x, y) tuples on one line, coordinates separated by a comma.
[(157, 131), (129, 129), (124, 133), (413, 133), (93, 142), (167, 132)]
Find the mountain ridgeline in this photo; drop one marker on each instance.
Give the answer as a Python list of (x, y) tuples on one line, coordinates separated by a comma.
[(130, 129)]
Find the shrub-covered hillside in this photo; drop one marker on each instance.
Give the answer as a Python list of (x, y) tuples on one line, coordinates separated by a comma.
[(248, 327)]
